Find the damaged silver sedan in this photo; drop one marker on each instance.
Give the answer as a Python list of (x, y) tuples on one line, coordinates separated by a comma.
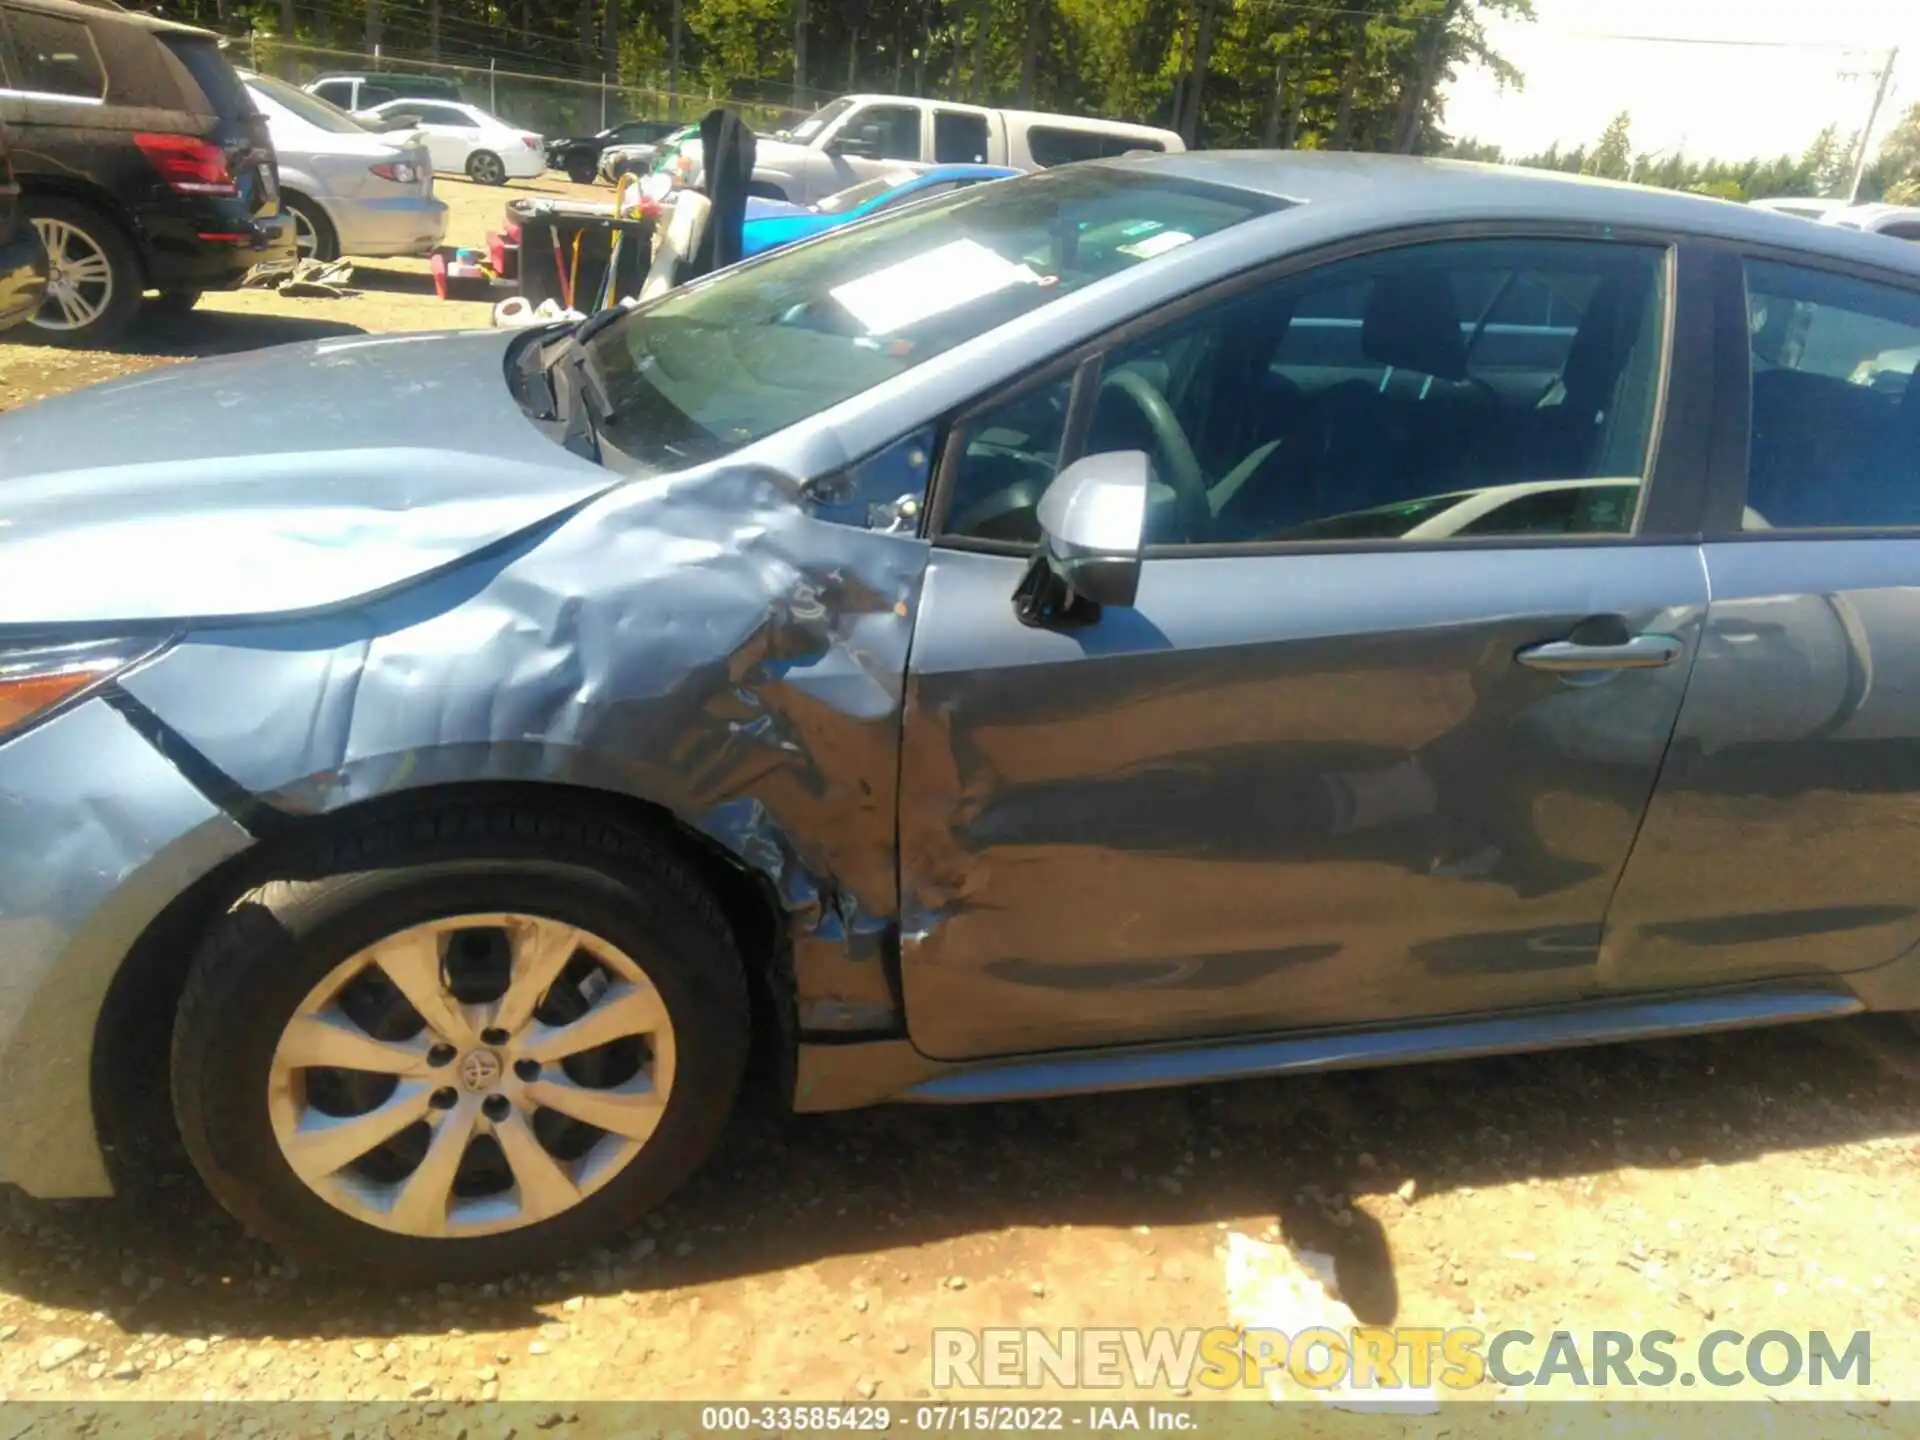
[(1151, 621)]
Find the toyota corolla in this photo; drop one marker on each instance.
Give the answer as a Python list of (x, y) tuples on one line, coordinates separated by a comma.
[(1000, 650)]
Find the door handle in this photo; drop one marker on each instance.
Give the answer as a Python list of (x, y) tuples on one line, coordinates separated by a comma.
[(1570, 657)]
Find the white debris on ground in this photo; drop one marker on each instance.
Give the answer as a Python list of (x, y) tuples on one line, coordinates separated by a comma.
[(1274, 1288)]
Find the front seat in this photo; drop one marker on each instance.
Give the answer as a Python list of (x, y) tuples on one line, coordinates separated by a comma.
[(1403, 436)]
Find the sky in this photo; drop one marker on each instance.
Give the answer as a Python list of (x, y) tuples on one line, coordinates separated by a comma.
[(1727, 101)]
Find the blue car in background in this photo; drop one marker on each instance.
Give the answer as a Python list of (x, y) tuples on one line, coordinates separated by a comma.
[(773, 223)]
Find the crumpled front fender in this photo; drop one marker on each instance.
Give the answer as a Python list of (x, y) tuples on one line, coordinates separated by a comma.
[(703, 644)]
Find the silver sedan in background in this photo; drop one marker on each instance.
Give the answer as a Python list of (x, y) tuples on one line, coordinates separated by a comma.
[(350, 192)]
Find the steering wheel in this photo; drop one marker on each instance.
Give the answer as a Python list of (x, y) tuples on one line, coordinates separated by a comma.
[(1181, 465)]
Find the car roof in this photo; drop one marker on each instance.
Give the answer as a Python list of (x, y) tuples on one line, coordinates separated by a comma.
[(1381, 192), (113, 14)]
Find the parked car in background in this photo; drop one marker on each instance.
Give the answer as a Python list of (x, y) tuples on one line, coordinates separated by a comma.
[(578, 157), (1902, 222), (364, 91), (23, 260), (773, 223), (677, 154), (349, 192), (465, 140), (141, 159), (994, 569), (858, 137)]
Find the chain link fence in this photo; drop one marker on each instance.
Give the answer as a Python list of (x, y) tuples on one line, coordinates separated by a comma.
[(549, 104)]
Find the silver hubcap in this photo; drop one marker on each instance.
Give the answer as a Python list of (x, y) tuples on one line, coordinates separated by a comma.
[(79, 278), (488, 168), (472, 1075), (305, 241)]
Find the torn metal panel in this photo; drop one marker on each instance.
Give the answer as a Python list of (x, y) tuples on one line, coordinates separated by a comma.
[(703, 644), (98, 833)]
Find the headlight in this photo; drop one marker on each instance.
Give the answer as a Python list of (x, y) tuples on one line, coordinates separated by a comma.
[(34, 681)]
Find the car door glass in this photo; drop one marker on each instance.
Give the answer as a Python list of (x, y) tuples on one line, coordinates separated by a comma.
[(959, 138), (1003, 459), (1903, 231), (1836, 400), (898, 127), (1472, 388), (53, 55), (1050, 145)]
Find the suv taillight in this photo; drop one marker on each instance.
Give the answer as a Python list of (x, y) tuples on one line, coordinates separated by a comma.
[(189, 165)]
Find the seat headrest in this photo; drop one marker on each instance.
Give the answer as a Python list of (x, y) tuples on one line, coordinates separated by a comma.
[(1411, 323)]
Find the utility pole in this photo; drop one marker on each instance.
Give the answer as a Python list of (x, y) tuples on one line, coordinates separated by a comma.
[(1866, 134)]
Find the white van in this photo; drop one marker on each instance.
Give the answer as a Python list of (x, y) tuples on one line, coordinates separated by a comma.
[(858, 137)]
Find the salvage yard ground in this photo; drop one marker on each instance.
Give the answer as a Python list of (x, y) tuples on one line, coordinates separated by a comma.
[(1758, 1182)]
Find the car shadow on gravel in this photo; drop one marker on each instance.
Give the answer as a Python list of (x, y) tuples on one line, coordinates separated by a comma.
[(1326, 1157), (200, 333)]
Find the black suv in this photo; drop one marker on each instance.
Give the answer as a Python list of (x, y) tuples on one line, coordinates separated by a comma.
[(140, 158), (23, 264)]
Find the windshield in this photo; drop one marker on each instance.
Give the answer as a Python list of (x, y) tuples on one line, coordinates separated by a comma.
[(309, 109), (820, 119), (710, 368), (855, 196)]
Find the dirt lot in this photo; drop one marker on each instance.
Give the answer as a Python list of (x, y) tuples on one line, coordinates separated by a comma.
[(1760, 1182)]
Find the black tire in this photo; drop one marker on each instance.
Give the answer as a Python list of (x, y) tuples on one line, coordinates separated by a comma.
[(326, 243), (278, 941), (169, 304), (123, 265), (486, 168), (581, 170)]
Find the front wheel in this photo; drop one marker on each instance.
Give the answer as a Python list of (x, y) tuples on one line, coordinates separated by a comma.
[(486, 168), (460, 1057), (582, 171)]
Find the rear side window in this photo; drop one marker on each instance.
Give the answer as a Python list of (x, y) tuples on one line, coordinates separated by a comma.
[(54, 56), (959, 138), (226, 96), (339, 92), (1050, 146), (1836, 400)]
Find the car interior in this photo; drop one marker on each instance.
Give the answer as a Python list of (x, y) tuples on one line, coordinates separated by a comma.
[(1426, 372), (1836, 402)]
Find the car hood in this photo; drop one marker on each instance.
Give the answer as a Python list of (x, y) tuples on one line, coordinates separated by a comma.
[(282, 480)]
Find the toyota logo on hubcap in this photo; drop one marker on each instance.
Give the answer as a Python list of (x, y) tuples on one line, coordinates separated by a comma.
[(480, 1070)]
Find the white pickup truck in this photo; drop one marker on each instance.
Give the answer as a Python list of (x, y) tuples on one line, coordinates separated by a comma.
[(860, 136)]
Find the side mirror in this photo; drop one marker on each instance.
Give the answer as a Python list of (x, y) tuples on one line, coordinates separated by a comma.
[(1093, 521), (863, 143)]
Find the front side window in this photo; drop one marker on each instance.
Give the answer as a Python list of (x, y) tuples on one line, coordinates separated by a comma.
[(1836, 400), (959, 138), (1478, 388), (54, 56), (1905, 230), (336, 92), (719, 364), (894, 130)]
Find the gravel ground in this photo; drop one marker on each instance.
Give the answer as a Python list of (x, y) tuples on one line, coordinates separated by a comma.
[(1755, 1182)]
